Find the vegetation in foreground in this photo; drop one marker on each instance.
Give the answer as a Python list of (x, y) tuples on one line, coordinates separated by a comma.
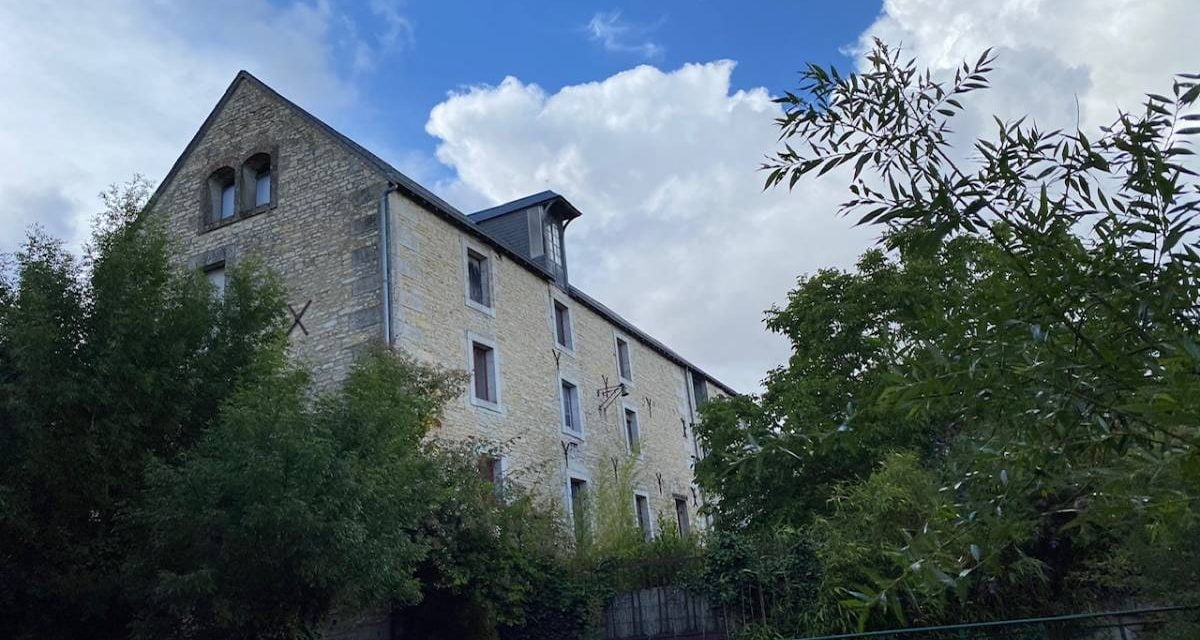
[(996, 414)]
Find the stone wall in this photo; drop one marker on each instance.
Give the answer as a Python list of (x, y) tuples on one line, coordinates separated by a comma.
[(431, 319), (320, 233)]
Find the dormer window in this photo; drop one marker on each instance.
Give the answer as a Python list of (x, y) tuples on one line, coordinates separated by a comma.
[(256, 181), (222, 191)]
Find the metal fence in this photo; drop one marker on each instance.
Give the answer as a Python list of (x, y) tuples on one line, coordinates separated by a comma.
[(663, 600), (653, 601), (1175, 623)]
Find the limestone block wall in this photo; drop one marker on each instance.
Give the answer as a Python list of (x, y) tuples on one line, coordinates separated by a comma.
[(320, 232), (431, 319)]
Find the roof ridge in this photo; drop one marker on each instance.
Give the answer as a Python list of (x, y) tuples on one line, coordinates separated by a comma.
[(425, 197)]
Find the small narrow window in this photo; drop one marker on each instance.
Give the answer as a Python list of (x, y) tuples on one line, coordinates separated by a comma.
[(570, 408), (577, 496), (222, 192), (681, 516), (562, 325), (642, 506), (262, 187), (227, 202), (632, 435), (624, 369), (215, 275), (491, 471), (554, 243), (699, 389), (256, 176), (483, 372), (479, 285)]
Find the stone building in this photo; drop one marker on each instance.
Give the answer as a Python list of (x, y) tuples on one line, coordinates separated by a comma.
[(564, 383)]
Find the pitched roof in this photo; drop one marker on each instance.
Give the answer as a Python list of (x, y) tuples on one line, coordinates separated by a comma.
[(433, 203)]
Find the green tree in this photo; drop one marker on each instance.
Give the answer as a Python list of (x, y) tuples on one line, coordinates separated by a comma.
[(106, 364), (1017, 374), (165, 472), (288, 510)]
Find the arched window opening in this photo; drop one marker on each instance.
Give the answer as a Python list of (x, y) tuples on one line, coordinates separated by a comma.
[(256, 175), (221, 192)]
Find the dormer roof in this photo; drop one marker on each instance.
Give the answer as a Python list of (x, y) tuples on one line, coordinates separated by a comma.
[(550, 199)]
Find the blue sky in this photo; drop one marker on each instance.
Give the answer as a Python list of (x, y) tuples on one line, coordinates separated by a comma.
[(448, 45), (651, 117)]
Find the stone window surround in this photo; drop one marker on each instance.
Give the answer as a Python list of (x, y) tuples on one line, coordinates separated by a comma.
[(581, 435), (209, 219), (569, 504), (637, 421), (500, 462), (650, 528), (683, 524), (470, 246), (473, 339), (565, 302), (618, 338)]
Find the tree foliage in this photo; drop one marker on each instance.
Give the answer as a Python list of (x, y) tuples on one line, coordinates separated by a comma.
[(1000, 405), (106, 364), (287, 510), (165, 471)]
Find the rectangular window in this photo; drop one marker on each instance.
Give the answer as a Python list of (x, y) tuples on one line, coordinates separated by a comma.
[(262, 188), (562, 325), (624, 368), (632, 437), (491, 471), (577, 496), (227, 201), (479, 279), (642, 506), (570, 408), (216, 277), (681, 516), (554, 243), (483, 371), (699, 389)]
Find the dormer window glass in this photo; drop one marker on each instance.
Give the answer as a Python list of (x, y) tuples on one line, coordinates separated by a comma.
[(554, 243)]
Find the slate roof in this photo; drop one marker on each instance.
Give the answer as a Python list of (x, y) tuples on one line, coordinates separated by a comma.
[(433, 203), (524, 203)]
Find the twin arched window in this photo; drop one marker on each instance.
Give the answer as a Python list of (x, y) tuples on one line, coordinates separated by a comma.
[(229, 192)]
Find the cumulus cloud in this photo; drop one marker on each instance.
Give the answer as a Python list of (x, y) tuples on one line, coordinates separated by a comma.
[(98, 91), (677, 234), (617, 35), (1105, 54)]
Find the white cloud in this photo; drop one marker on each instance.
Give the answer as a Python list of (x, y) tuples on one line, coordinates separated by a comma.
[(1108, 53), (677, 234), (617, 35), (99, 91)]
